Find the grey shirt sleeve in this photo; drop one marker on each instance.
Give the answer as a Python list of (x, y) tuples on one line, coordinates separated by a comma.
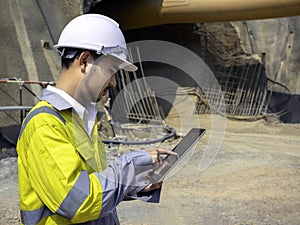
[(124, 179)]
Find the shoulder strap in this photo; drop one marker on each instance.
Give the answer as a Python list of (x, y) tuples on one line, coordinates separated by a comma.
[(43, 109)]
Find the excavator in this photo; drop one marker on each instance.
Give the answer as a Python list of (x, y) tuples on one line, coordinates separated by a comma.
[(134, 14)]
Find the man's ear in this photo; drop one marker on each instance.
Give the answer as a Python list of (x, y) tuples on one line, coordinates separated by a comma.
[(83, 59)]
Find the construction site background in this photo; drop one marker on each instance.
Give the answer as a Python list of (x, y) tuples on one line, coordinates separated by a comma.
[(254, 178), (31, 27)]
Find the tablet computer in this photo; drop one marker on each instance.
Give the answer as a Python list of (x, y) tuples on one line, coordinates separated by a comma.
[(157, 175)]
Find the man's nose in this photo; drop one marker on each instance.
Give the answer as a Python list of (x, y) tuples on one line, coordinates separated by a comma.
[(113, 81)]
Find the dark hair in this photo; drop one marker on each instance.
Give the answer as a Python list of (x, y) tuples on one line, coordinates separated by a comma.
[(68, 55), (66, 62)]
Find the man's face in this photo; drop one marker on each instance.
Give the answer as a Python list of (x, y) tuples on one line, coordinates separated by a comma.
[(99, 76)]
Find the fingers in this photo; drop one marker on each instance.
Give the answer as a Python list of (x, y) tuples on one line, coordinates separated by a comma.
[(152, 187), (157, 154), (166, 152)]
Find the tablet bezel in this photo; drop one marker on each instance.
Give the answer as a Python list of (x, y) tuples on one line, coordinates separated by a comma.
[(157, 175)]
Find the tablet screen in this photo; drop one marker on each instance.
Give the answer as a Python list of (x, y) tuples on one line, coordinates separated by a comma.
[(181, 149)]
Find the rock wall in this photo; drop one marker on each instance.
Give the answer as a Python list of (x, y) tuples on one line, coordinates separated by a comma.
[(279, 41), (28, 30)]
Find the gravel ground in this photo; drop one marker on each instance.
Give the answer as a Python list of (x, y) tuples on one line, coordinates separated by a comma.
[(255, 179)]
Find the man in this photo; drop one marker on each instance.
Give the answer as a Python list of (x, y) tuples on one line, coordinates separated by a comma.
[(63, 177)]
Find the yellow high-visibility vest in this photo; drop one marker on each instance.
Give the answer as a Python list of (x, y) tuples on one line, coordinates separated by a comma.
[(56, 164)]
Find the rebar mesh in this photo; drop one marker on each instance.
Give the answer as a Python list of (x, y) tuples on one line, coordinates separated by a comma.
[(139, 103), (241, 77)]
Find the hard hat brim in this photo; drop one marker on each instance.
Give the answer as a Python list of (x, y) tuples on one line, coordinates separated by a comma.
[(124, 64)]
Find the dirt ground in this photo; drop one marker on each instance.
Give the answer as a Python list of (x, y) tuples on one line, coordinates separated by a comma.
[(255, 179)]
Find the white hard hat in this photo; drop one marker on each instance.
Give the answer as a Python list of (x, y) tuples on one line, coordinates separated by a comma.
[(98, 33)]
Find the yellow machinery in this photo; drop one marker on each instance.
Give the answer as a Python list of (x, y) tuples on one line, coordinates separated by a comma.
[(142, 13)]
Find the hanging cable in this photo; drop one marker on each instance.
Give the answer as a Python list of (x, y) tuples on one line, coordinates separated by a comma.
[(45, 19), (172, 133)]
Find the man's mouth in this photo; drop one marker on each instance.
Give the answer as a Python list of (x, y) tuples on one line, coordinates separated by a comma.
[(105, 91)]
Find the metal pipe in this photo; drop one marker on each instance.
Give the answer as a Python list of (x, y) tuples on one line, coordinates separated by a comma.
[(145, 86), (142, 102), (262, 92), (256, 90), (21, 101), (21, 82), (14, 108)]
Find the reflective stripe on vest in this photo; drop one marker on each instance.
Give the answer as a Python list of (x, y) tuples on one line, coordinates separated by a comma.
[(32, 217), (43, 109), (68, 207), (76, 196)]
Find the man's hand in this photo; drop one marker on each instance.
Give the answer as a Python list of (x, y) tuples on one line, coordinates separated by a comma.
[(158, 153), (157, 160), (152, 187)]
